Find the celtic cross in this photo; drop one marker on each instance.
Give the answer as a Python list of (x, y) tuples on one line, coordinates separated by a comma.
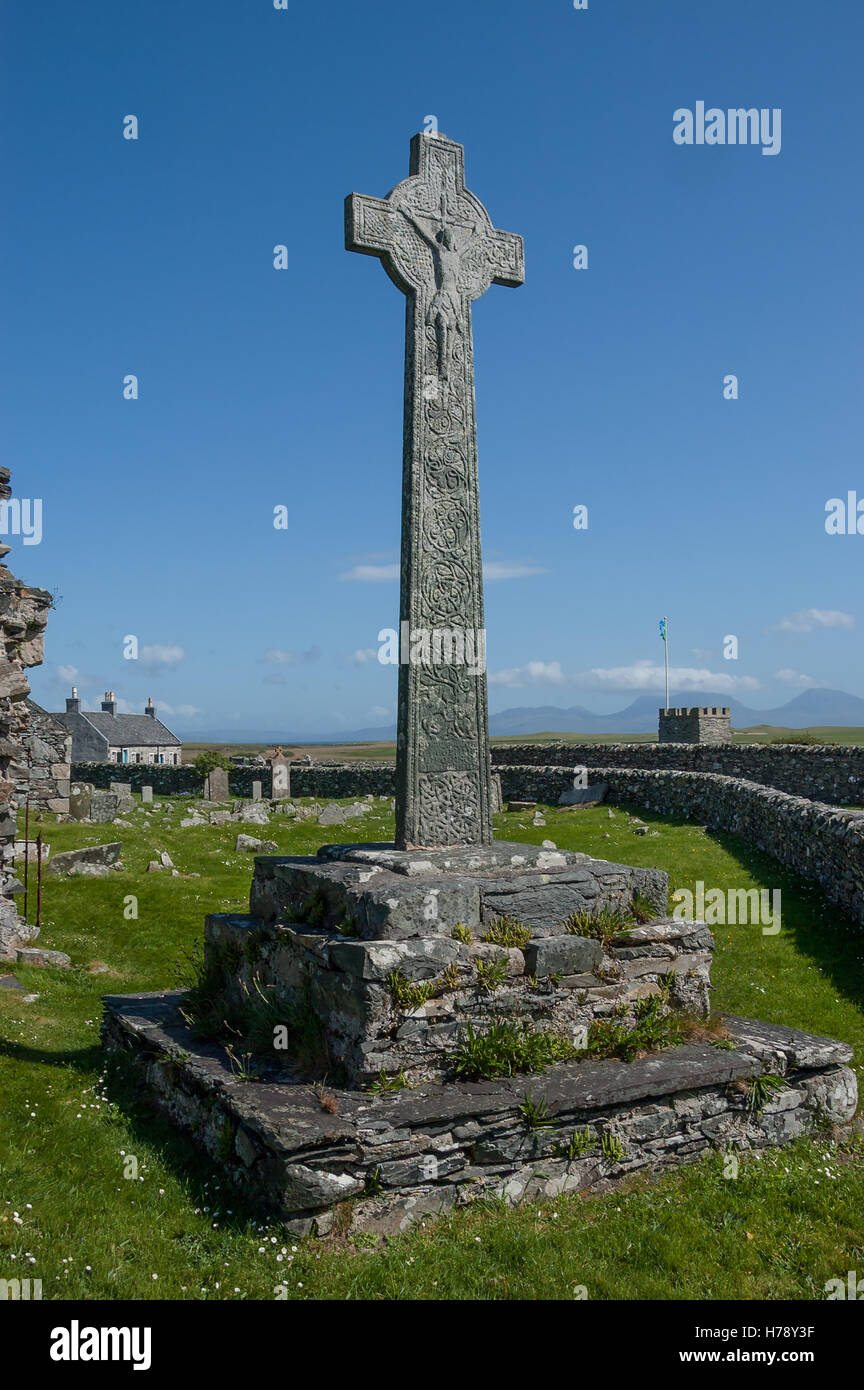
[(436, 241)]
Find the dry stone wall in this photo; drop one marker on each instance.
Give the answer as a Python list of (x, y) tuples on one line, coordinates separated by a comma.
[(818, 841), (822, 772)]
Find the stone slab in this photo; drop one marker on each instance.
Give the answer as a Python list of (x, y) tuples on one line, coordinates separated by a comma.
[(444, 1143), (392, 894)]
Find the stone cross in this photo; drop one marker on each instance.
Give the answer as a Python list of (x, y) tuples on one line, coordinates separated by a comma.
[(436, 241)]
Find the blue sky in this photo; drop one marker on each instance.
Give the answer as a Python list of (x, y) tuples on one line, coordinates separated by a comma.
[(261, 388)]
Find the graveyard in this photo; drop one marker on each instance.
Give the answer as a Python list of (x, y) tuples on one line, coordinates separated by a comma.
[(406, 1011), (776, 1233)]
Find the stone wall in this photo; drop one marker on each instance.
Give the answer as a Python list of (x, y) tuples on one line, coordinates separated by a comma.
[(49, 771), (330, 780), (823, 772), (814, 839), (23, 615)]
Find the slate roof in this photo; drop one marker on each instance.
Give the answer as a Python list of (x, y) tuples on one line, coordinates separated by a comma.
[(130, 730)]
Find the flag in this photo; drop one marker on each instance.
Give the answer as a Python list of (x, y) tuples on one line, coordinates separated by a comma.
[(663, 628)]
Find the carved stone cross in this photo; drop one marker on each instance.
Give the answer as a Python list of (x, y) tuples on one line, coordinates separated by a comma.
[(437, 243)]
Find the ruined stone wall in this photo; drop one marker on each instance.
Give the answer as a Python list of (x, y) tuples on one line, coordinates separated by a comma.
[(23, 615), (48, 772)]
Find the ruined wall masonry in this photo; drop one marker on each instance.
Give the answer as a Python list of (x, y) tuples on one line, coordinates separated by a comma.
[(47, 777), (23, 615), (823, 772)]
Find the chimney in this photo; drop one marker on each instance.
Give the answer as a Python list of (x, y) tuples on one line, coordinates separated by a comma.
[(109, 704), (150, 708), (73, 706)]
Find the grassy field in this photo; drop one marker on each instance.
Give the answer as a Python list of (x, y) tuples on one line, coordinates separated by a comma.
[(386, 752), (69, 1216)]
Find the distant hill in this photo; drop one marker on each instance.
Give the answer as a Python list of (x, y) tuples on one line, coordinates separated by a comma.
[(811, 708)]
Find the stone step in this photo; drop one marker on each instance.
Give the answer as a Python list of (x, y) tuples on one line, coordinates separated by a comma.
[(301, 1149)]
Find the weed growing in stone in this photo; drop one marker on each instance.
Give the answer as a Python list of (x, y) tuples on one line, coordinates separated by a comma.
[(602, 924), (385, 1082), (461, 933), (405, 993), (535, 1113), (506, 1049), (580, 1142), (508, 931), (491, 974), (760, 1089), (612, 1148)]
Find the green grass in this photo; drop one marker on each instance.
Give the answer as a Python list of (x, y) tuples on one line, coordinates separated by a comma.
[(790, 1221)]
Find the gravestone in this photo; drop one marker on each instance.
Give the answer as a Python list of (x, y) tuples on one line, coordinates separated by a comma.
[(123, 792), (438, 245), (80, 795), (281, 772), (147, 796), (216, 785), (256, 791)]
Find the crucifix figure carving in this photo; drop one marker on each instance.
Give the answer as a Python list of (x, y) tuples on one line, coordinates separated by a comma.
[(436, 241)]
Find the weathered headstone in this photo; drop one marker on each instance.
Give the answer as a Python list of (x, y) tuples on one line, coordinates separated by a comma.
[(256, 791), (216, 785), (147, 796), (438, 245), (281, 771), (80, 795), (104, 806), (123, 792)]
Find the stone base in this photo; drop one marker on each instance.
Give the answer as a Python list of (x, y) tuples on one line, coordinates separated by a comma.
[(299, 1151), (357, 945), (399, 1007), (377, 892)]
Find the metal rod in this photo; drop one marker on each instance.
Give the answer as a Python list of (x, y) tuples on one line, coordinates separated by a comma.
[(39, 879), (27, 834)]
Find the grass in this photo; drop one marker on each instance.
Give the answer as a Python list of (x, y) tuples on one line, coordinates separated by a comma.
[(107, 1197)]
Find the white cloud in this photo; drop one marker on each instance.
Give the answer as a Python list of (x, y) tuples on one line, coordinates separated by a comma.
[(276, 656), (533, 673), (640, 676), (362, 655), (808, 619), (371, 574), (796, 678), (157, 654), (67, 675), (493, 569)]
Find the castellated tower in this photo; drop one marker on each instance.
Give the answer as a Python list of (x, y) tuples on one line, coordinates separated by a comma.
[(701, 724)]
